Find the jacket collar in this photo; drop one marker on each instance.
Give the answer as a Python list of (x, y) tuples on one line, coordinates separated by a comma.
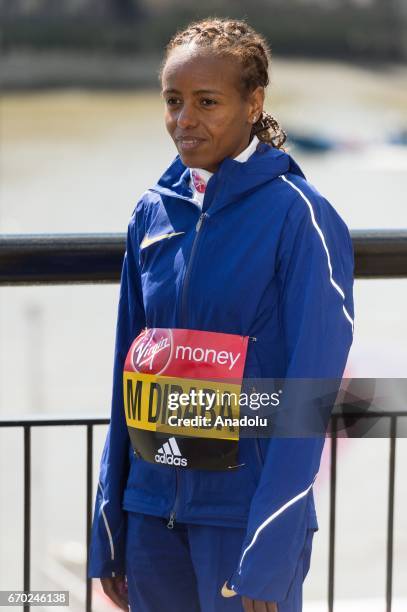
[(232, 180), (200, 177)]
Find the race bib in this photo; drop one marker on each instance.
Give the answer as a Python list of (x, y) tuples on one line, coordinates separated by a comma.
[(181, 391)]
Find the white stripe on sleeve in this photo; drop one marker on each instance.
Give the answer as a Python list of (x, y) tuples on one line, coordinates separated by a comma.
[(321, 235), (268, 521), (109, 533)]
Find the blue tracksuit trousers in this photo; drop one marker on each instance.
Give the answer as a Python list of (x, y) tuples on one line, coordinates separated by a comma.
[(183, 569)]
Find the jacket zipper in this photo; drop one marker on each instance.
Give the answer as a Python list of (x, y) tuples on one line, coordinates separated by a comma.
[(173, 512), (198, 227), (187, 276), (202, 217)]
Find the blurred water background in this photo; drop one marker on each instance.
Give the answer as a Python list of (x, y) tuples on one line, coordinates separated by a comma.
[(76, 160)]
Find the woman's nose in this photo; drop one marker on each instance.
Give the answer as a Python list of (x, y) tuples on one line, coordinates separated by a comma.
[(186, 117)]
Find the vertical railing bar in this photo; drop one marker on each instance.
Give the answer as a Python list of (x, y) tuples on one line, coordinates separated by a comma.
[(390, 514), (27, 511), (332, 516), (89, 491)]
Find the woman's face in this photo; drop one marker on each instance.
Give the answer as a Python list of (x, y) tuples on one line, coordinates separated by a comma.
[(205, 113)]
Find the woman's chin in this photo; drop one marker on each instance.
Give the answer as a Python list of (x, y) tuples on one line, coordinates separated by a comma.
[(191, 160), (197, 161)]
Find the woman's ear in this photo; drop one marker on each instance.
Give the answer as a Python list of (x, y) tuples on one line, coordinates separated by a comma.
[(256, 101)]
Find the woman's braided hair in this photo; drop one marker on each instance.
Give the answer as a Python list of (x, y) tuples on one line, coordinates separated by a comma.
[(235, 38)]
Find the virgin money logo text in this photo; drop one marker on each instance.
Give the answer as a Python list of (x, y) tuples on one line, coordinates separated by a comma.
[(152, 351)]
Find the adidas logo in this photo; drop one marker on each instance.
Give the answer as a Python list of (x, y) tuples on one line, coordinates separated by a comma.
[(170, 454)]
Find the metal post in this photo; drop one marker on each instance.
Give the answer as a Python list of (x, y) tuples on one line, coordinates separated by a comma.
[(332, 516), (27, 510), (89, 489), (390, 514)]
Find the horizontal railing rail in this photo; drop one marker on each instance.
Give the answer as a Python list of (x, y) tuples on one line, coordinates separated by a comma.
[(97, 258), (91, 422)]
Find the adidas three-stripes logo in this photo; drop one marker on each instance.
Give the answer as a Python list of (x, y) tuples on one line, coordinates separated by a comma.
[(170, 454)]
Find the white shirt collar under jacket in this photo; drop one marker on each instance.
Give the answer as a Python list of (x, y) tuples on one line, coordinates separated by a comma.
[(200, 177)]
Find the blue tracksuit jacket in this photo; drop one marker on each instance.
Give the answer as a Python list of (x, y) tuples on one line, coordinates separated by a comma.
[(267, 257)]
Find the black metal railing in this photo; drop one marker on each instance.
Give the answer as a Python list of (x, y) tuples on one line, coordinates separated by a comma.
[(90, 422), (27, 424), (393, 416), (97, 258)]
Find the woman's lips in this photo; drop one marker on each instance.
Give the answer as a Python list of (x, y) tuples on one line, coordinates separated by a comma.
[(189, 144)]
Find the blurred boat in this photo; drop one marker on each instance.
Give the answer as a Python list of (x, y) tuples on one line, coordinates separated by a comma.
[(400, 138), (312, 143), (315, 143)]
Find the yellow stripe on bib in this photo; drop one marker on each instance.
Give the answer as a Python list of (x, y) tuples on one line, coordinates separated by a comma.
[(202, 408)]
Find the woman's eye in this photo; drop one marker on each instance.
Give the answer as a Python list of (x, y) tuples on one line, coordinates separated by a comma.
[(208, 102), (173, 101)]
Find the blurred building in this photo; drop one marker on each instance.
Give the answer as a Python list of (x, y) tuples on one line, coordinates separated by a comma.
[(352, 30), (66, 8)]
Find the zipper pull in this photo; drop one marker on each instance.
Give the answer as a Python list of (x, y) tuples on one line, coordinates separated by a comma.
[(253, 338), (171, 521), (200, 221)]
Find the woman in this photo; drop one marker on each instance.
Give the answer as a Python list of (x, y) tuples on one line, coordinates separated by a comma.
[(232, 243)]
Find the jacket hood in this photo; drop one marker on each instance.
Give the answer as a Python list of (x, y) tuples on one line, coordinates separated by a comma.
[(237, 178)]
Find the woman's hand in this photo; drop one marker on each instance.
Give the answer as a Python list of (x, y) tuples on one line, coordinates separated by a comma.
[(255, 605), (116, 589)]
